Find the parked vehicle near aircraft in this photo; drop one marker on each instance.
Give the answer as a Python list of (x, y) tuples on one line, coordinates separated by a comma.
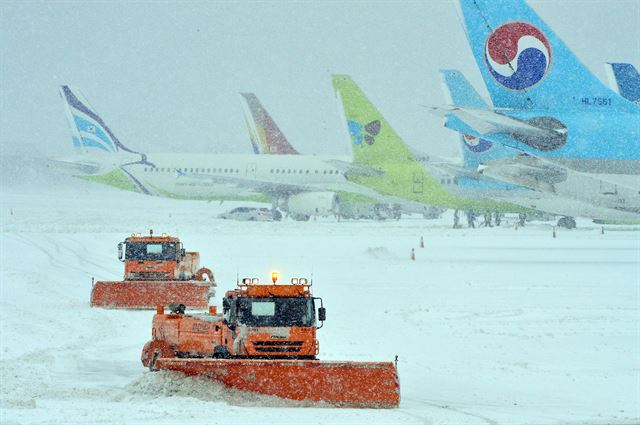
[(251, 214)]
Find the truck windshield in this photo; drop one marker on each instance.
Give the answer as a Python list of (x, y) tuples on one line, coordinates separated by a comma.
[(151, 251), (276, 312)]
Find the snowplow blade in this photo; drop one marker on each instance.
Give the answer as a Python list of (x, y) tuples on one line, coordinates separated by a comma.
[(148, 294), (342, 384)]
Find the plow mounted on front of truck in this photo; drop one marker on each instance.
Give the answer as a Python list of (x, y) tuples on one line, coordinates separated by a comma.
[(157, 271), (265, 342)]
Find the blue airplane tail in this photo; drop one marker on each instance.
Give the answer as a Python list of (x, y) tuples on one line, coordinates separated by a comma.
[(89, 133), (475, 150), (627, 80), (525, 65)]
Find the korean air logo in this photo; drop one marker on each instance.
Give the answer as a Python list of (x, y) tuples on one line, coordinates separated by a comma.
[(518, 55), (91, 129), (475, 144), (363, 133)]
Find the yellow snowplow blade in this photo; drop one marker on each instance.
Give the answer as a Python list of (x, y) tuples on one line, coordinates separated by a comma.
[(148, 294), (343, 384)]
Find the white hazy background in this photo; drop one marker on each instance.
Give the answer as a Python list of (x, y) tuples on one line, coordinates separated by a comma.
[(165, 76)]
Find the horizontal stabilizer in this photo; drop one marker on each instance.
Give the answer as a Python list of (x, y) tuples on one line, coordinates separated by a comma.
[(73, 167)]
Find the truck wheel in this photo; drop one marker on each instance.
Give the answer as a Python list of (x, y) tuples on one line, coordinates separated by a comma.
[(152, 363), (221, 352)]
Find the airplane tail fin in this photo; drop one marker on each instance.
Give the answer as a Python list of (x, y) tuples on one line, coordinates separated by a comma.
[(89, 133), (627, 80), (525, 65), (475, 150), (263, 129), (374, 141)]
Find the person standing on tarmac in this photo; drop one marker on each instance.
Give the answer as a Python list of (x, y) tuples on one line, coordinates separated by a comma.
[(471, 219), (487, 219)]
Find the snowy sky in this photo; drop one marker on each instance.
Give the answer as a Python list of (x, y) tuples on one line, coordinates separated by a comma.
[(166, 75)]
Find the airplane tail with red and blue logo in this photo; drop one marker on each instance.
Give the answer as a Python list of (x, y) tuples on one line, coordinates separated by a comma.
[(525, 65)]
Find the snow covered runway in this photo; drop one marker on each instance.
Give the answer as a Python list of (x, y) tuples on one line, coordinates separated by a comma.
[(490, 325)]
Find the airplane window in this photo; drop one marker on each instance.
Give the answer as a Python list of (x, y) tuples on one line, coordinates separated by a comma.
[(289, 171), (325, 172), (300, 171), (145, 168), (307, 171), (226, 170), (208, 170), (316, 171)]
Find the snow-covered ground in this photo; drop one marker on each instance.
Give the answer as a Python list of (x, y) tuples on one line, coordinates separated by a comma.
[(492, 325)]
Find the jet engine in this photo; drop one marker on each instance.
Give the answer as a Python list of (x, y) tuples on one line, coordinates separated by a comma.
[(304, 205)]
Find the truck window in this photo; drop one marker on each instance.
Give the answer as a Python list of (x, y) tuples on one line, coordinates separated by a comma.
[(165, 251), (154, 248), (263, 308), (276, 312)]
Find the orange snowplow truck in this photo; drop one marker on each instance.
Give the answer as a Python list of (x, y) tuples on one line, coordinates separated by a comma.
[(157, 271), (265, 342)]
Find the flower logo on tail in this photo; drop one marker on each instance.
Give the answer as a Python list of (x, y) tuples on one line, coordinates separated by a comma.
[(366, 133)]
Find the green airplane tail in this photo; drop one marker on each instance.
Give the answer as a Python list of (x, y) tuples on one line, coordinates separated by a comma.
[(376, 145), (374, 140)]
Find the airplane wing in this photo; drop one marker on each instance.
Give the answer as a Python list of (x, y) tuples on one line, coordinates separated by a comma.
[(528, 171), (545, 176), (486, 122)]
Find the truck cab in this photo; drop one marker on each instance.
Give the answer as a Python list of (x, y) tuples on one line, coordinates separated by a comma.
[(276, 321), (270, 321), (156, 258)]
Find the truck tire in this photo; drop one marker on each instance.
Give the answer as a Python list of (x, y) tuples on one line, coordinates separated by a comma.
[(221, 352), (152, 362)]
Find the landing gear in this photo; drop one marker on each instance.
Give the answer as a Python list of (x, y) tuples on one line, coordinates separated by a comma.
[(567, 222)]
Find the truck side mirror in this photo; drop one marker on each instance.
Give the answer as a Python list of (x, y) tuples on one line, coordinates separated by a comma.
[(183, 253), (120, 252), (322, 314)]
